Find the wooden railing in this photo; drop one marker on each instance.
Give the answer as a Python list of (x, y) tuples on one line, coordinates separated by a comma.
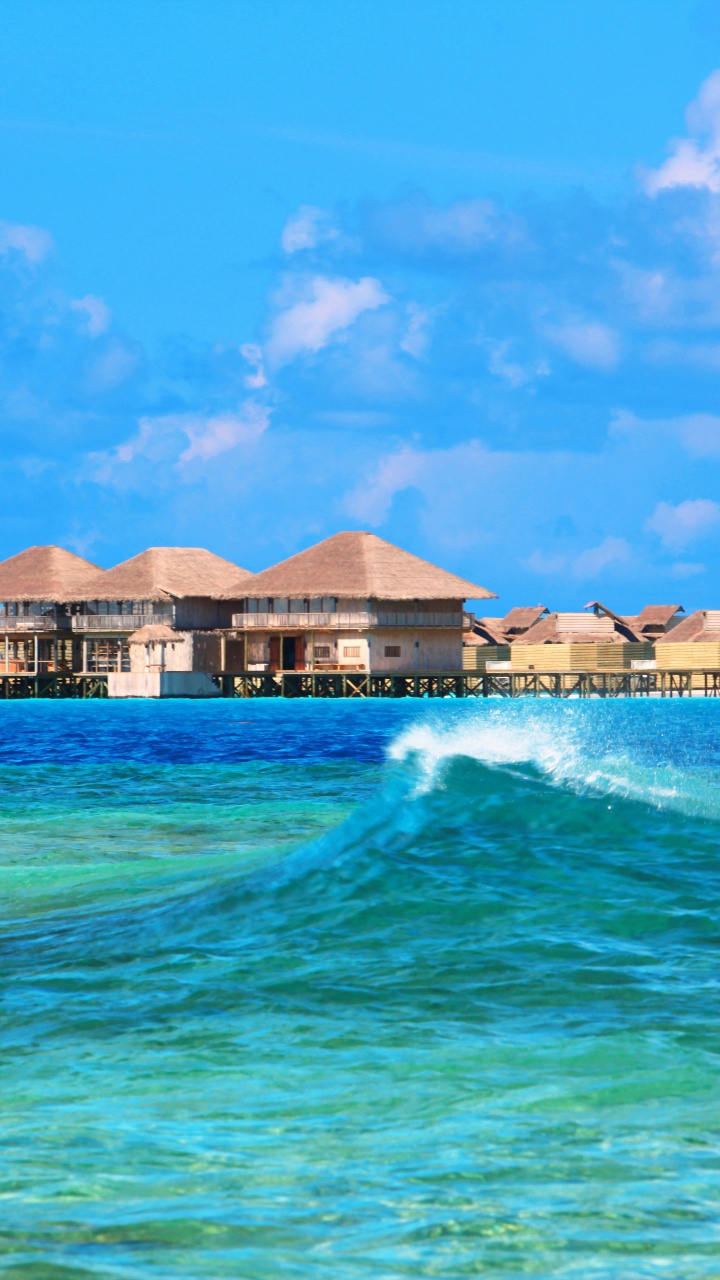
[(341, 621), (119, 621), (32, 622)]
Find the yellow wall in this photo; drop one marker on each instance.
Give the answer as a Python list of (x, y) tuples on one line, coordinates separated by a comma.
[(577, 657), (476, 656), (688, 657)]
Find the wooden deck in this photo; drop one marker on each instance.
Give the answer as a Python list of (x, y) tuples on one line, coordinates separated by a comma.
[(466, 684), (432, 684)]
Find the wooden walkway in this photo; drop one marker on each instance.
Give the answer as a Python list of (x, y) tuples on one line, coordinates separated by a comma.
[(432, 684), (52, 685), (467, 684)]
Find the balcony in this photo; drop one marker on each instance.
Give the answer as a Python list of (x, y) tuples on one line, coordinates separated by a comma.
[(119, 621), (341, 621), (33, 623)]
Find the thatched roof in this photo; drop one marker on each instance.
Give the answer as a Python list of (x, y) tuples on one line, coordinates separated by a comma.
[(485, 631), (654, 618), (701, 626), (359, 566), (521, 618), (577, 628), (50, 574), (155, 631), (165, 573)]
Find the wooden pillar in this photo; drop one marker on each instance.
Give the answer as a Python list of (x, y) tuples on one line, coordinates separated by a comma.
[(84, 653), (7, 653), (223, 651)]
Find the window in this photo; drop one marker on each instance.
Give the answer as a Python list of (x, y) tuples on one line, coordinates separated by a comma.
[(328, 604), (298, 606), (392, 650), (322, 651), (351, 651)]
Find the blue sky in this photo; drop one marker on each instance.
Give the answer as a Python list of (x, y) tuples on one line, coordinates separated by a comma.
[(446, 271)]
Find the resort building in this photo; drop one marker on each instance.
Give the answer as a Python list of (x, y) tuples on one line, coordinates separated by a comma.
[(692, 645), (486, 644), (354, 603), (599, 640), (165, 663), (36, 632), (185, 588), (656, 620)]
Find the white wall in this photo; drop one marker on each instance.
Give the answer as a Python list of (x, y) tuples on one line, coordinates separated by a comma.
[(437, 649), (161, 684)]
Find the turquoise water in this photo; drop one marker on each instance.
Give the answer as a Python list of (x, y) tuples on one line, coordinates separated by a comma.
[(360, 990)]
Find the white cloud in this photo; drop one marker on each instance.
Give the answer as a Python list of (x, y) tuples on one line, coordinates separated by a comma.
[(686, 569), (546, 564), (591, 343), (416, 338), (587, 564), (511, 371), (306, 229), (398, 471), (113, 367), (464, 227), (590, 563), (356, 417), (256, 379), (685, 523), (97, 314), (179, 438), (33, 242), (329, 307), (698, 434), (694, 161), (210, 436)]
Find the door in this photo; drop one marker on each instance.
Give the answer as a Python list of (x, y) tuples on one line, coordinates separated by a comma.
[(288, 653), (274, 653)]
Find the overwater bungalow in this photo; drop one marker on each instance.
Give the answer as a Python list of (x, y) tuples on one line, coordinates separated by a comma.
[(354, 603), (185, 588), (655, 620), (35, 618), (486, 643), (594, 640), (692, 645)]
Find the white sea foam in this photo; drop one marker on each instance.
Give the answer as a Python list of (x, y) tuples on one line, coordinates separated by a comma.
[(572, 752)]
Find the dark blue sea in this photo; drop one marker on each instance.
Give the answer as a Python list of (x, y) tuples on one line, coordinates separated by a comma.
[(348, 990)]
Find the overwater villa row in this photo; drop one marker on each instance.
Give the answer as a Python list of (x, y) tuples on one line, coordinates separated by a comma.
[(171, 618)]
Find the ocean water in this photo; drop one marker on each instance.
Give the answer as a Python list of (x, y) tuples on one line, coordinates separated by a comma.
[(347, 990)]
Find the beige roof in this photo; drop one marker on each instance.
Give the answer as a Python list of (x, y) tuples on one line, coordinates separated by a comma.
[(44, 573), (699, 627), (521, 617), (655, 617), (164, 573), (155, 631), (358, 566), (485, 631), (557, 628)]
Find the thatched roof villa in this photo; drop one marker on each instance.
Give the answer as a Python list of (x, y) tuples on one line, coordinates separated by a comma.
[(693, 644), (487, 643), (599, 640), (35, 586), (355, 602)]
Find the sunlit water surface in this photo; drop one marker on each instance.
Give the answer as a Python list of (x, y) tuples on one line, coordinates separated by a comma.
[(363, 989)]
